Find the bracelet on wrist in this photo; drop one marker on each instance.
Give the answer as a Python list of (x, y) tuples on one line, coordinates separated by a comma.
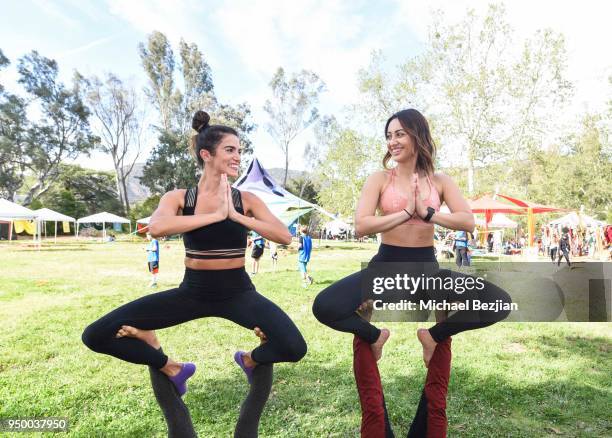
[(408, 213)]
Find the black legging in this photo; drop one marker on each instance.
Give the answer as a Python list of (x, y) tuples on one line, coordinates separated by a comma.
[(563, 253), (225, 294), (335, 306)]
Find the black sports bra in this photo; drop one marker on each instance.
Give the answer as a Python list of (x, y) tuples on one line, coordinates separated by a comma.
[(222, 240)]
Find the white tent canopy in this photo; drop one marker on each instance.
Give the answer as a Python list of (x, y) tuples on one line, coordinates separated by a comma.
[(144, 220), (336, 227), (574, 219), (103, 218), (258, 181), (10, 212), (48, 215), (499, 220)]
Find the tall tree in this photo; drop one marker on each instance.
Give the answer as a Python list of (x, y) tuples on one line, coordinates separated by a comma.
[(292, 108), (486, 101), (63, 129), (157, 60), (115, 107), (171, 165), (13, 128)]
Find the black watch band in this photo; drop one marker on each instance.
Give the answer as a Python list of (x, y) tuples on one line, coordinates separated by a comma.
[(430, 213)]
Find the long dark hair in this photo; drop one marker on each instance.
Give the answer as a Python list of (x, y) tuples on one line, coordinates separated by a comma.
[(415, 125), (208, 136)]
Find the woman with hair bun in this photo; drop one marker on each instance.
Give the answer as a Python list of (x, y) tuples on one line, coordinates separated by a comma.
[(214, 219)]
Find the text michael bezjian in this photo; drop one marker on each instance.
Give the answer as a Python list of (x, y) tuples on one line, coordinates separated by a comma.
[(458, 285)]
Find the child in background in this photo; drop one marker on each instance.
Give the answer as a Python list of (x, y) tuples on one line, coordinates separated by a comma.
[(304, 250), (153, 258), (257, 251)]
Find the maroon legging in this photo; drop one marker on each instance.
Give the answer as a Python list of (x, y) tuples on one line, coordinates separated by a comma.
[(430, 418)]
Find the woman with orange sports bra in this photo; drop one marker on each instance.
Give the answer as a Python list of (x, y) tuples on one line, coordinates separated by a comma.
[(214, 219), (408, 198)]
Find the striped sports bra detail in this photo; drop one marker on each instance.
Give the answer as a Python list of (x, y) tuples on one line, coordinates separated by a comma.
[(216, 253), (222, 240)]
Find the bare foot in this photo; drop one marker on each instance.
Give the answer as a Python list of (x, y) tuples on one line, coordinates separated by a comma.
[(147, 336), (248, 361), (365, 310), (377, 347), (171, 368), (261, 335), (429, 345)]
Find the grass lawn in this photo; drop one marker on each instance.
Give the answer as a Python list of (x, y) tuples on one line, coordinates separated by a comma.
[(513, 379)]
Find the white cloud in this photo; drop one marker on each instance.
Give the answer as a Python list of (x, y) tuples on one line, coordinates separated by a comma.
[(87, 46)]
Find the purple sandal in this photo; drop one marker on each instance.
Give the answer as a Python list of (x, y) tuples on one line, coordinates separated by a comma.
[(180, 380), (247, 370)]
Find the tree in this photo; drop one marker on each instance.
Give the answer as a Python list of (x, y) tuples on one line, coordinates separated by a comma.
[(145, 208), (79, 192), (578, 174), (171, 165), (120, 125), (63, 129), (292, 108), (158, 62), (345, 168), (485, 103), (13, 127)]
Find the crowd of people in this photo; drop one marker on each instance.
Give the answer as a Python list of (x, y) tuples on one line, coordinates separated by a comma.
[(576, 241)]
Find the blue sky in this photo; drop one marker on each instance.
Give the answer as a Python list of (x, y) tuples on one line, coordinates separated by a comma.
[(245, 41)]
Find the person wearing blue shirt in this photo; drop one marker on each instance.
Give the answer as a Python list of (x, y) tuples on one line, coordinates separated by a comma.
[(153, 258), (304, 251), (461, 249)]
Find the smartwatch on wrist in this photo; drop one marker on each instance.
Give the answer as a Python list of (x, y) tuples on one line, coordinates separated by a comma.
[(430, 213)]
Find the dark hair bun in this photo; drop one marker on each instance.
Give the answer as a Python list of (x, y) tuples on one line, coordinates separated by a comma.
[(200, 120)]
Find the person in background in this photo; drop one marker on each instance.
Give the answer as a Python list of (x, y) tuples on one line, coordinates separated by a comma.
[(153, 259), (564, 248), (461, 249), (490, 242), (304, 251), (258, 243), (273, 254), (554, 245)]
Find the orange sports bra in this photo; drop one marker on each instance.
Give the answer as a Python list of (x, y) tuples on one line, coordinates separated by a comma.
[(391, 201)]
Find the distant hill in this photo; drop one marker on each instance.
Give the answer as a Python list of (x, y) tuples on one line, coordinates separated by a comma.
[(138, 193), (278, 174)]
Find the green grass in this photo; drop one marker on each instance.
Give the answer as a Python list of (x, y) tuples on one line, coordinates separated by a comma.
[(513, 379)]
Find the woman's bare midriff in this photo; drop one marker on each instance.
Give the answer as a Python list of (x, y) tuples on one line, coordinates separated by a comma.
[(215, 264), (408, 235)]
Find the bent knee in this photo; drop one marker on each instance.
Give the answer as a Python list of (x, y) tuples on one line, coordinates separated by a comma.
[(323, 309), (92, 338), (296, 349)]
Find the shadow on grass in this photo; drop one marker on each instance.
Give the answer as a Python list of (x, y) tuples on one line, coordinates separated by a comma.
[(310, 399), (324, 403)]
